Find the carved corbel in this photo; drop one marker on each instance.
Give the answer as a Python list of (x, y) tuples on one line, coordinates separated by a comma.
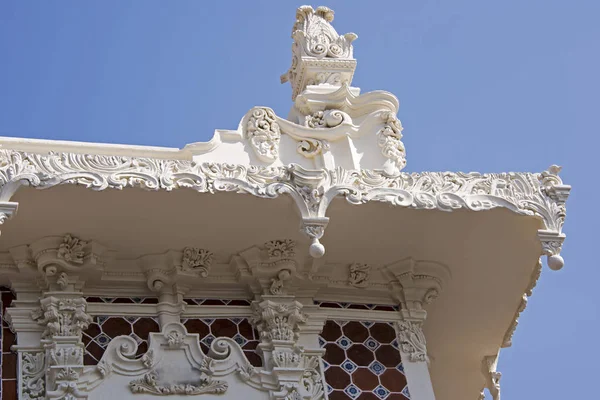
[(492, 376), (551, 247), (63, 262), (412, 340), (268, 270), (8, 209), (168, 276), (416, 283), (551, 207)]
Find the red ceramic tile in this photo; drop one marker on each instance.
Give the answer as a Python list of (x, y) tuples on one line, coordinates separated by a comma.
[(355, 331), (9, 390), (360, 355), (223, 327), (116, 326), (339, 395), (393, 380), (334, 354), (365, 379), (337, 378), (143, 326), (368, 396), (388, 355), (331, 331), (383, 332), (397, 396), (9, 366), (197, 326)]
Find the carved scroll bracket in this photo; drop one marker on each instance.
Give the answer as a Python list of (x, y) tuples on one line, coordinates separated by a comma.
[(416, 283), (492, 376)]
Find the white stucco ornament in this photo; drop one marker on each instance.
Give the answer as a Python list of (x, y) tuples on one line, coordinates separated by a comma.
[(336, 147)]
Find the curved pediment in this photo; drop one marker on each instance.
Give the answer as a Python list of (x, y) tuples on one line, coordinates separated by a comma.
[(173, 366)]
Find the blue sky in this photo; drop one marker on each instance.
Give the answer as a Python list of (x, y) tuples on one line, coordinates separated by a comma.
[(487, 86)]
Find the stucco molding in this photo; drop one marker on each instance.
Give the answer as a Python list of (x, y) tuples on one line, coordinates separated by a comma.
[(541, 195)]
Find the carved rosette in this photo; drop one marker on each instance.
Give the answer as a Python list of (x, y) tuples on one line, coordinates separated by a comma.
[(412, 340), (264, 134)]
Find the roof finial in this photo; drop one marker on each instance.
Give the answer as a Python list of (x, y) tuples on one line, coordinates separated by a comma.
[(319, 55)]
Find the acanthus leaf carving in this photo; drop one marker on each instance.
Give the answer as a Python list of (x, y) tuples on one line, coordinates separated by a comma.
[(412, 340), (72, 249), (285, 248), (197, 260), (62, 317), (264, 133), (33, 378), (359, 274), (389, 138), (542, 195), (277, 321)]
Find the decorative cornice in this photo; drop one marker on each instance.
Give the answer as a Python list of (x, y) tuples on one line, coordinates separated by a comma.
[(541, 195)]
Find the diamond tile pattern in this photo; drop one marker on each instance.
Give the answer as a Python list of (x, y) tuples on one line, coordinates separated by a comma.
[(99, 334), (123, 300), (239, 329), (8, 359), (362, 361), (355, 306), (217, 302)]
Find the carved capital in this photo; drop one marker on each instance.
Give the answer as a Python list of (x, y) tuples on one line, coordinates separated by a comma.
[(62, 317), (277, 321)]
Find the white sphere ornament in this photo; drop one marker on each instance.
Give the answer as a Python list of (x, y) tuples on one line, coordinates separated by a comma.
[(316, 249), (555, 262)]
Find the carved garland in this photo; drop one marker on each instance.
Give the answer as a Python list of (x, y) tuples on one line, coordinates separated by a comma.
[(149, 384)]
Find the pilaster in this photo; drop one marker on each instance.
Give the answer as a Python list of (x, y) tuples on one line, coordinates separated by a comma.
[(415, 284)]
